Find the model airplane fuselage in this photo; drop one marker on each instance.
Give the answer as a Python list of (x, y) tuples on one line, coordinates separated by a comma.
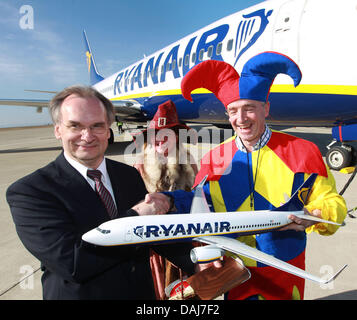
[(218, 230), (177, 227)]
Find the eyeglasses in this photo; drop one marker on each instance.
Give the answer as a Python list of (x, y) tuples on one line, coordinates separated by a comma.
[(97, 128)]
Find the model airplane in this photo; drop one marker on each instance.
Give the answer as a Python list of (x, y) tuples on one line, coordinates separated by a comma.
[(218, 230), (317, 35)]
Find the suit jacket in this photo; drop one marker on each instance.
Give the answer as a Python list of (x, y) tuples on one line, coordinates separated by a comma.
[(54, 206)]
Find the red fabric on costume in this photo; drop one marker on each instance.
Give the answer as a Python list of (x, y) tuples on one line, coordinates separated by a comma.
[(285, 145), (271, 283), (215, 162)]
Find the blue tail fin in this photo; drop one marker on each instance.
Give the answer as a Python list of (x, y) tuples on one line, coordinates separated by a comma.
[(94, 76), (299, 198)]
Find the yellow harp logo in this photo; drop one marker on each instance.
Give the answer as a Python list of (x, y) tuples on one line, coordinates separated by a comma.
[(303, 195), (89, 60)]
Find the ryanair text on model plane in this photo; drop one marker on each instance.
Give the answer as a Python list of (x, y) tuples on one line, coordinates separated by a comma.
[(180, 229)]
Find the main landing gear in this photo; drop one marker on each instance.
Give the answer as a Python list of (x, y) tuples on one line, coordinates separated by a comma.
[(344, 155), (339, 157)]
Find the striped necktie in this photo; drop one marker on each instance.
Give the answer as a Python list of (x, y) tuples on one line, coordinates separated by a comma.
[(103, 192)]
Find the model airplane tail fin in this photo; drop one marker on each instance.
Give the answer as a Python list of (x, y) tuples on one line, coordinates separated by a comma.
[(94, 76), (299, 198), (199, 202)]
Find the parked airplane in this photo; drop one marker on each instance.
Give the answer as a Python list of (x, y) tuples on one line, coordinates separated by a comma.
[(218, 230), (316, 34)]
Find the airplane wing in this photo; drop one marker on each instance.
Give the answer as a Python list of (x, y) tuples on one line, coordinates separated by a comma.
[(127, 109), (130, 105), (237, 247), (38, 103)]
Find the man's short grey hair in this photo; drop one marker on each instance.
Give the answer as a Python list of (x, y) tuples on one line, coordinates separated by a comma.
[(83, 92)]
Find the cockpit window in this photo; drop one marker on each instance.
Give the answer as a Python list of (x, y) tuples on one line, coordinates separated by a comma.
[(102, 230)]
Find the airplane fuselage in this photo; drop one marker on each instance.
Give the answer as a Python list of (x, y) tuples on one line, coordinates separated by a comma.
[(302, 30)]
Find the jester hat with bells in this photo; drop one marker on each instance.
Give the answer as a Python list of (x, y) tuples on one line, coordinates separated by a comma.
[(254, 83)]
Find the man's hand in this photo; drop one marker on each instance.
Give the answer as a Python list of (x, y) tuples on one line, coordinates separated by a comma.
[(301, 224), (154, 203)]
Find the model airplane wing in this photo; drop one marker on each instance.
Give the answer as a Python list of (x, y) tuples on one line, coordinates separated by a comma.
[(237, 247)]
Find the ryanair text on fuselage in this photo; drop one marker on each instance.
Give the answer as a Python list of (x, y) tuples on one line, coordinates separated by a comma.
[(210, 42)]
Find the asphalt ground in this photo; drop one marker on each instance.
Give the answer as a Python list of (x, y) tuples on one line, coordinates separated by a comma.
[(23, 150)]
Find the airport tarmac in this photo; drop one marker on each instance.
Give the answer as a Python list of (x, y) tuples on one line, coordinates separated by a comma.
[(23, 150)]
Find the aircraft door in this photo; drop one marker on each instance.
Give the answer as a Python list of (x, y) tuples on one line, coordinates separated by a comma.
[(286, 35), (128, 233)]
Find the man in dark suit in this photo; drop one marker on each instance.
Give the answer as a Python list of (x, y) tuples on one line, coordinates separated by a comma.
[(54, 206)]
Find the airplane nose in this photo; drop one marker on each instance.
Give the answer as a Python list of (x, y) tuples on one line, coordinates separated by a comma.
[(98, 236), (91, 236)]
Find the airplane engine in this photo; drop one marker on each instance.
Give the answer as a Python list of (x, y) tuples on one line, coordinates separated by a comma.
[(206, 254)]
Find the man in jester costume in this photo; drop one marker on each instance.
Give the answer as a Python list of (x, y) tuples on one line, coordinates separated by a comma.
[(256, 167)]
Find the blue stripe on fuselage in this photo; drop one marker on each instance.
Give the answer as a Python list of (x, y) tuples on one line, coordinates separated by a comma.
[(286, 108)]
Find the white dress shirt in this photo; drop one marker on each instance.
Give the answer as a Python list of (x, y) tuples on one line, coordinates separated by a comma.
[(83, 171)]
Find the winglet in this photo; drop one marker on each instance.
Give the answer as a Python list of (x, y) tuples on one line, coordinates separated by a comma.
[(335, 276), (199, 202), (94, 76)]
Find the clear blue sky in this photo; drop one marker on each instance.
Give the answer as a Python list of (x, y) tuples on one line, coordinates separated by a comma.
[(51, 55)]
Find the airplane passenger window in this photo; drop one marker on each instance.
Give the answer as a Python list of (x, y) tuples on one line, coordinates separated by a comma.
[(186, 60), (210, 51), (180, 62), (230, 45), (200, 55), (173, 65), (193, 57), (219, 49)]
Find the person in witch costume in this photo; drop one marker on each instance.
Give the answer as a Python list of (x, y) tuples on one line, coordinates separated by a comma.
[(256, 167), (165, 165)]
